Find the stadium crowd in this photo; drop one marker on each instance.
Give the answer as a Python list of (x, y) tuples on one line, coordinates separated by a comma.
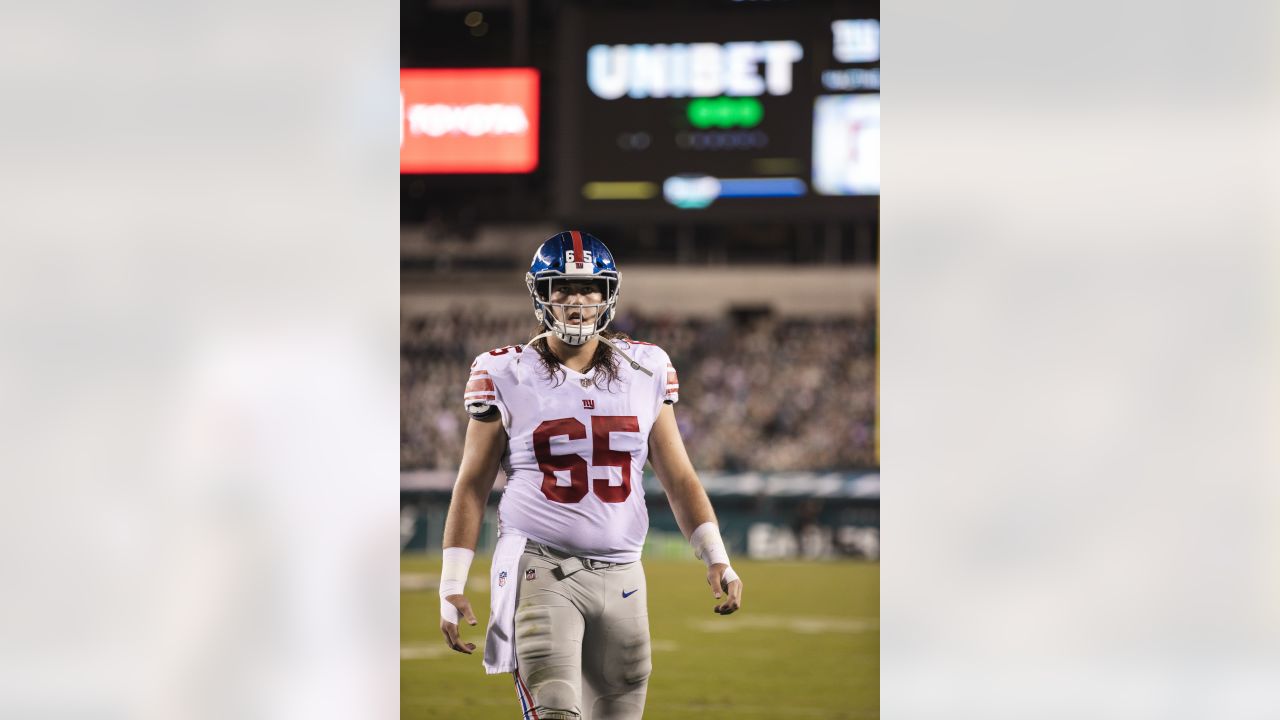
[(757, 392)]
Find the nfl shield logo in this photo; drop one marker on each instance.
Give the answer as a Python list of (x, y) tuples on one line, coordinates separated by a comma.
[(502, 578), (530, 575)]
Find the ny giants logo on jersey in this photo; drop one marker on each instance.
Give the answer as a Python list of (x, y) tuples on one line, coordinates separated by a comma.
[(588, 404)]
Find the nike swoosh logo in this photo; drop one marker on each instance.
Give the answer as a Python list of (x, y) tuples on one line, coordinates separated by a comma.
[(626, 594)]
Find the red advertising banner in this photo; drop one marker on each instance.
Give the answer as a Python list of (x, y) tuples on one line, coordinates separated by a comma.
[(469, 121)]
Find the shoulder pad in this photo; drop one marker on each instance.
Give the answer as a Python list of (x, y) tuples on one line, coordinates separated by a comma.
[(643, 351), (482, 397), (498, 357)]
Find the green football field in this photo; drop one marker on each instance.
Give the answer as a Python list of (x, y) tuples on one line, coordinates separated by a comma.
[(806, 644)]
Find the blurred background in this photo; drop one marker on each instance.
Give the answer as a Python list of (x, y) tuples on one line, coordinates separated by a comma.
[(1078, 340), (728, 154)]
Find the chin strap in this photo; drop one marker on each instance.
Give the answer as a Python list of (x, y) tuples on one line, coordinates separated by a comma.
[(536, 338), (634, 365)]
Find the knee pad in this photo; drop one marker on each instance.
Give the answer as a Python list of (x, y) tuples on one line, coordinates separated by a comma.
[(555, 700)]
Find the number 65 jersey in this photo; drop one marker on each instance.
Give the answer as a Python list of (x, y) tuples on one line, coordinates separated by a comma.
[(576, 448)]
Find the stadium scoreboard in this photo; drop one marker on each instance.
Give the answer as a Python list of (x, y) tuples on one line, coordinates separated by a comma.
[(767, 112)]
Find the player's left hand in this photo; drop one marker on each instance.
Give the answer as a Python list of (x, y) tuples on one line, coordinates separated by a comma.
[(732, 590)]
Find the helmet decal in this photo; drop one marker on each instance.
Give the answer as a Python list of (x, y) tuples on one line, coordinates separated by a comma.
[(578, 254)]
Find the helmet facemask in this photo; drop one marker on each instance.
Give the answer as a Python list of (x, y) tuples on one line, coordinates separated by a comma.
[(557, 317)]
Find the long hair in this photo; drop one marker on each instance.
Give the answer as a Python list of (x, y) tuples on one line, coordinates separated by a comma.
[(604, 361)]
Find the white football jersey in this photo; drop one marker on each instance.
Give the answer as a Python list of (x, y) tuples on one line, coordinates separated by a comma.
[(576, 452)]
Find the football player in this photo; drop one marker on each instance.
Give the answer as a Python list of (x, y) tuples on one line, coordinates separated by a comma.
[(571, 416)]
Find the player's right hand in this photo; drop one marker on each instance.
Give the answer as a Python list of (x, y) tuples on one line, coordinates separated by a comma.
[(450, 629)]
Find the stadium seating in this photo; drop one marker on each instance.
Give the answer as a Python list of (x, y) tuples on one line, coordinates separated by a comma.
[(758, 392)]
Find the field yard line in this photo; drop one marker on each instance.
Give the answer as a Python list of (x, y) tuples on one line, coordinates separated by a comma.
[(768, 711), (431, 652), (430, 582), (435, 652), (496, 700), (805, 624)]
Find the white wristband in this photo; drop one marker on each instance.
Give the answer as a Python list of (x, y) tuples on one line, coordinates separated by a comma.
[(707, 544), (453, 579)]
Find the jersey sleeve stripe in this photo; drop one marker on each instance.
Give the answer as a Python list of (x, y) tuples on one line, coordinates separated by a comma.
[(480, 384)]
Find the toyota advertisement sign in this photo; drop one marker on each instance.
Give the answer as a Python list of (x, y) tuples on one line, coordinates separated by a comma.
[(469, 120)]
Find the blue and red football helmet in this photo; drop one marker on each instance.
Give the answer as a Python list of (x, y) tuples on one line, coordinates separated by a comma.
[(572, 255)]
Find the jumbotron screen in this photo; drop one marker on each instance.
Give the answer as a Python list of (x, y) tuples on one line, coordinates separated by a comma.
[(768, 111)]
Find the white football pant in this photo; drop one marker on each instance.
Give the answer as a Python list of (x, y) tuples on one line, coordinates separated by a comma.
[(582, 637)]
